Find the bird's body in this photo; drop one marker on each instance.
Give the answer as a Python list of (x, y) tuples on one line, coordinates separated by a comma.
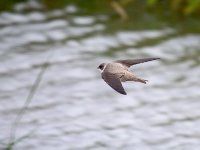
[(116, 72)]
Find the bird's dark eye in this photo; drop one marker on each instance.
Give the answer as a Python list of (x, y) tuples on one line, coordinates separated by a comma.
[(101, 66)]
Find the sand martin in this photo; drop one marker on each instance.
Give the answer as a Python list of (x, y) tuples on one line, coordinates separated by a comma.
[(116, 72)]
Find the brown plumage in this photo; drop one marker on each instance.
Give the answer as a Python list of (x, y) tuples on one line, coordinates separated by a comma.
[(116, 72)]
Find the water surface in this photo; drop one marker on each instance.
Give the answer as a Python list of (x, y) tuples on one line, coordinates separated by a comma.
[(73, 109)]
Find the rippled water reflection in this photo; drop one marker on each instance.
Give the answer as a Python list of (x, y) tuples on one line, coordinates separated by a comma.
[(73, 108)]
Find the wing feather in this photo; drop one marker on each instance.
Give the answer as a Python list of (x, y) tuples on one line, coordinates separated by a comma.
[(113, 80), (130, 62)]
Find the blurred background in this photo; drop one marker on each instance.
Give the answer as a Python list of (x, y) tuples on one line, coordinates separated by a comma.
[(52, 96)]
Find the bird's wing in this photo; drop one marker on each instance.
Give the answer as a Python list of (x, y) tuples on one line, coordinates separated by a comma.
[(130, 62), (113, 80)]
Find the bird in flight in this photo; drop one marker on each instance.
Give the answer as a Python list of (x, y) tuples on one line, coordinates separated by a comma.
[(117, 71)]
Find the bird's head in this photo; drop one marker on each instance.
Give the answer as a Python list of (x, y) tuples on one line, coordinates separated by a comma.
[(101, 66)]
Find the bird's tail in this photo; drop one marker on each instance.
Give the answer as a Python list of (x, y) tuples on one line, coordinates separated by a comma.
[(141, 80)]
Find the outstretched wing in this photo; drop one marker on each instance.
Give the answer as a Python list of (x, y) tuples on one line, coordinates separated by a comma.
[(113, 80), (130, 62)]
